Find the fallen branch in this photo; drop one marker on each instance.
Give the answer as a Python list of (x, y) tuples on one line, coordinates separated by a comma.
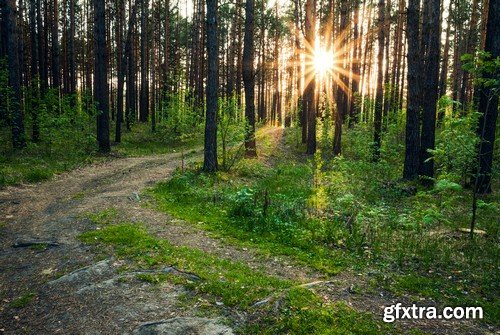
[(282, 293), (25, 244)]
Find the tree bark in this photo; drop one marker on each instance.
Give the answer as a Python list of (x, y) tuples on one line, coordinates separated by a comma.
[(429, 96), (144, 97), (249, 80), (120, 64), (341, 86), (309, 93), (412, 137), (488, 104), (12, 39), (210, 154), (56, 62), (379, 99), (100, 80)]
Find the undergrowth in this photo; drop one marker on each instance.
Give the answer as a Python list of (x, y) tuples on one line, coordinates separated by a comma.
[(346, 213)]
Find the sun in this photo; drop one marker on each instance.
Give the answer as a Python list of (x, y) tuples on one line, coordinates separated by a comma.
[(323, 61)]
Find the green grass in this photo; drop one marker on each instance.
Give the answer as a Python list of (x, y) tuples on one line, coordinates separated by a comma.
[(349, 213), (233, 283), (23, 300), (302, 313), (71, 149), (142, 142)]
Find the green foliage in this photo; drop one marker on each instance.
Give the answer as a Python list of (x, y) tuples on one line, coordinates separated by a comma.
[(67, 136), (455, 152), (179, 120), (231, 129), (346, 212), (485, 69)]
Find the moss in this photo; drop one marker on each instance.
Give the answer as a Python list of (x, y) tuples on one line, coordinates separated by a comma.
[(23, 300)]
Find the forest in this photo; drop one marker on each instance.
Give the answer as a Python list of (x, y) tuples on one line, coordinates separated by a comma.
[(249, 167)]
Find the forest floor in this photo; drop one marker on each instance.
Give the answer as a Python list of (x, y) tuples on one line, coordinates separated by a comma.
[(53, 283)]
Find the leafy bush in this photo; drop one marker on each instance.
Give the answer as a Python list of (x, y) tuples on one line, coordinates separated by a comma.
[(455, 153)]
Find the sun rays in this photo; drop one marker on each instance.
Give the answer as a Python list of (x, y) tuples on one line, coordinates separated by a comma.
[(323, 61)]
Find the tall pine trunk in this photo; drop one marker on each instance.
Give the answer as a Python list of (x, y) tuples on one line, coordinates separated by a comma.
[(12, 39), (488, 104), (431, 42), (412, 137), (249, 80), (309, 93), (210, 154), (379, 99), (56, 62), (100, 80), (120, 64), (144, 95)]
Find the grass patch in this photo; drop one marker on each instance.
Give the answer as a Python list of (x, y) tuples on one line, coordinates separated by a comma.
[(106, 216), (303, 313), (141, 142), (39, 247), (223, 204), (68, 148), (23, 300), (234, 283), (349, 213)]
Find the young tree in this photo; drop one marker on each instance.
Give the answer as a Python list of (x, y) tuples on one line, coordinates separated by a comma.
[(100, 80), (249, 79), (12, 39), (210, 154)]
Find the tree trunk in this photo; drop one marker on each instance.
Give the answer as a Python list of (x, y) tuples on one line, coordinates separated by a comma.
[(430, 87), (71, 47), (412, 138), (488, 104), (309, 94), (249, 80), (120, 64), (210, 155), (444, 64), (56, 62), (380, 83), (341, 86), (12, 39), (354, 107), (100, 80), (144, 98), (35, 91)]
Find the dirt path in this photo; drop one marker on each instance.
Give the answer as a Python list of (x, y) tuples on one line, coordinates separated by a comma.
[(76, 292), (95, 300)]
